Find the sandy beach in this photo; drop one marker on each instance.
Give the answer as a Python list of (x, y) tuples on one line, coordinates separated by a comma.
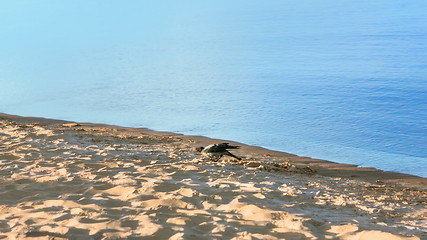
[(65, 180)]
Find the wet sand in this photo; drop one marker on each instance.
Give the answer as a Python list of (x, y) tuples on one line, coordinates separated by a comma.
[(66, 180)]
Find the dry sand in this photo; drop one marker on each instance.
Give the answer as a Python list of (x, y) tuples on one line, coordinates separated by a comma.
[(61, 180)]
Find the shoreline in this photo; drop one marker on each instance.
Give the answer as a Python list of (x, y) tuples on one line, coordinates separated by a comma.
[(319, 166), (67, 180)]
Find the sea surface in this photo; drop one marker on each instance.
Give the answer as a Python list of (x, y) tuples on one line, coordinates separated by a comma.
[(339, 80)]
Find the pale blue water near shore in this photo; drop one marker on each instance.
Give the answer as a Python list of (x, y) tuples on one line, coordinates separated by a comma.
[(344, 81)]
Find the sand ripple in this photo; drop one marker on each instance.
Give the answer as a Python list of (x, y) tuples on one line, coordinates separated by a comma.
[(97, 183)]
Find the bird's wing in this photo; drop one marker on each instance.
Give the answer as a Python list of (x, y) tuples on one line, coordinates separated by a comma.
[(232, 155)]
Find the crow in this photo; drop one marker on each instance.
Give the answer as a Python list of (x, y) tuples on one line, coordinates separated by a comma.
[(216, 151)]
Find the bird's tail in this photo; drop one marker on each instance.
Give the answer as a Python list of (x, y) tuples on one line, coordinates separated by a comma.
[(232, 147), (228, 146)]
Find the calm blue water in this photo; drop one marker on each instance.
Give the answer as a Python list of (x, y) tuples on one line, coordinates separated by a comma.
[(339, 80)]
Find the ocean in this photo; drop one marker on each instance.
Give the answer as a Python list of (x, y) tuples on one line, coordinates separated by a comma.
[(344, 81)]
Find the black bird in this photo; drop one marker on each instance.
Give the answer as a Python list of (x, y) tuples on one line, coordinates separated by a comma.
[(216, 151)]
